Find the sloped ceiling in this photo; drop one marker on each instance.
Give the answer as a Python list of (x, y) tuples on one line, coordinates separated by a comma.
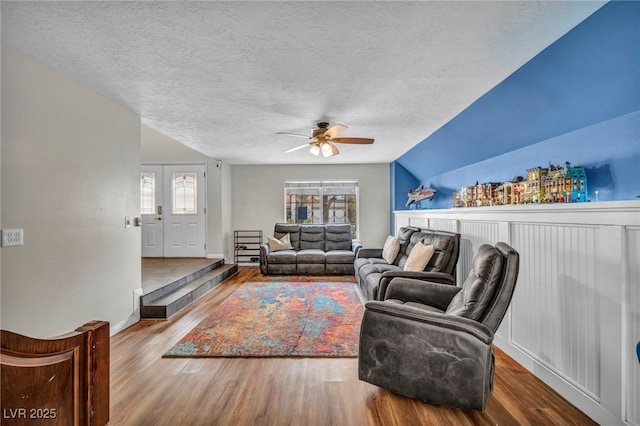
[(588, 76), (224, 77)]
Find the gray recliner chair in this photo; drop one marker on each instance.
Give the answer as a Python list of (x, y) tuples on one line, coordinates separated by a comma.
[(432, 341)]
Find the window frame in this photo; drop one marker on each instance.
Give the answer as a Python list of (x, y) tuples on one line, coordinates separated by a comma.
[(321, 185)]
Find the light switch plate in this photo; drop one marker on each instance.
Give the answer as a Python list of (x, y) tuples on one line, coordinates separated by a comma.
[(12, 237)]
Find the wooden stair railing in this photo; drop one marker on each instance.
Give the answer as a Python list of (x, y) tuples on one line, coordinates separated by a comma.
[(59, 381)]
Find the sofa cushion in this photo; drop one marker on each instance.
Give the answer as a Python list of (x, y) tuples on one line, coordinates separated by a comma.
[(404, 237), (293, 229), (362, 261), (312, 237), (310, 256), (369, 277), (337, 237), (282, 256), (479, 287), (441, 242), (283, 243), (339, 256), (419, 257)]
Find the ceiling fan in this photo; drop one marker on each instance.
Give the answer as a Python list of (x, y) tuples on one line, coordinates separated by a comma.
[(324, 138)]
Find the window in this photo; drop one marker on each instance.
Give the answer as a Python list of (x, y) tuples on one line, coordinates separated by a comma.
[(147, 192), (183, 191), (322, 202)]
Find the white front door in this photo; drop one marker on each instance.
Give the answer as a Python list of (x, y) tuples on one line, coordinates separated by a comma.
[(184, 217), (151, 193), (174, 225)]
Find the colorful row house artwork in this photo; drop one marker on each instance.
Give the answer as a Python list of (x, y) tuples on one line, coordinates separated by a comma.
[(555, 184)]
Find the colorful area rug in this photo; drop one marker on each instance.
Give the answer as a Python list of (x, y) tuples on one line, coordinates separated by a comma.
[(279, 319)]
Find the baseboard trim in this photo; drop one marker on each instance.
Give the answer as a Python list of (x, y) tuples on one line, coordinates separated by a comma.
[(583, 402), (133, 318), (117, 328)]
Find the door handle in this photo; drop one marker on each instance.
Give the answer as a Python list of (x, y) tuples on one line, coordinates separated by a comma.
[(158, 218)]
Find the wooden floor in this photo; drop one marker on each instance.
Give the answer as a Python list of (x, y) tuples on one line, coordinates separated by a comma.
[(149, 390)]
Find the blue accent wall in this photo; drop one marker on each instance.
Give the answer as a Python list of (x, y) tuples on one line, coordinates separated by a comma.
[(577, 101), (401, 180)]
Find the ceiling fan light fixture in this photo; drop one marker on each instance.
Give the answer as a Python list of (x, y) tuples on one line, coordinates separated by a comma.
[(329, 149), (324, 138), (326, 149)]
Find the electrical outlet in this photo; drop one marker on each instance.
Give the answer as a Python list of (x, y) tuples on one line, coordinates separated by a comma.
[(12, 237)]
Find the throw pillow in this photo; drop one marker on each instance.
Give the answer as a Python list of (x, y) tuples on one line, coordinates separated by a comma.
[(390, 249), (283, 243), (419, 257)]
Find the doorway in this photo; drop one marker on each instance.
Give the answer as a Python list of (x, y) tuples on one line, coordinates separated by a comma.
[(173, 210)]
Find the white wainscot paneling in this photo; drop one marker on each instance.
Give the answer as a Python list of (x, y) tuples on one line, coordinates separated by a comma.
[(633, 332), (401, 221), (443, 225), (474, 234), (575, 316), (419, 222), (555, 316)]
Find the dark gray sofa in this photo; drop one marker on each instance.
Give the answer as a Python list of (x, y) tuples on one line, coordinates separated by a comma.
[(373, 273), (317, 250)]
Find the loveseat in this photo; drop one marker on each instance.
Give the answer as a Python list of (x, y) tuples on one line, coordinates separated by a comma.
[(373, 273), (315, 249)]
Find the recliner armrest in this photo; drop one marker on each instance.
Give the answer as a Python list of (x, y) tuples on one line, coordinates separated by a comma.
[(451, 322), (264, 251), (356, 247), (425, 292), (369, 252), (435, 277)]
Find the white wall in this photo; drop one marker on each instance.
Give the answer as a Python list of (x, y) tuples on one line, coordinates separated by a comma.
[(258, 196), (157, 148), (70, 161)]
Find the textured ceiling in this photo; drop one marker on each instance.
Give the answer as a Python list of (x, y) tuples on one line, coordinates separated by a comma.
[(224, 77)]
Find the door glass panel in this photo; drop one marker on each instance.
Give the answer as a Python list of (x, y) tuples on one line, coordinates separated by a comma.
[(183, 193), (147, 192)]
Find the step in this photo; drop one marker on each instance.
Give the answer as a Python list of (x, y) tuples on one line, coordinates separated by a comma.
[(180, 281), (166, 301)]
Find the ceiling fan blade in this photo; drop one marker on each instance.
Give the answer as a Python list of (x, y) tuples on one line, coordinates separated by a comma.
[(293, 134), (362, 141), (297, 147), (335, 130), (334, 149)]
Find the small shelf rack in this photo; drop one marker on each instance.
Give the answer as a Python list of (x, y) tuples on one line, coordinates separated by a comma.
[(246, 246)]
